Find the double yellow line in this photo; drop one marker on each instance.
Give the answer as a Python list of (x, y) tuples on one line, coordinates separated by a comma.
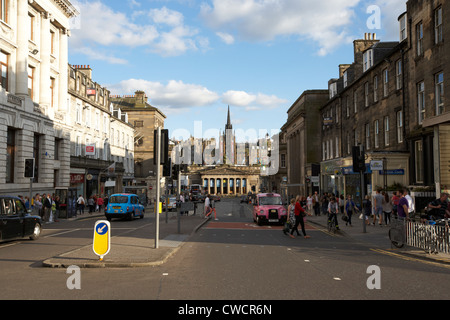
[(408, 258)]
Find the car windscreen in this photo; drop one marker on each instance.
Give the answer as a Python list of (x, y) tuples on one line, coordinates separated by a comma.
[(118, 199), (270, 201)]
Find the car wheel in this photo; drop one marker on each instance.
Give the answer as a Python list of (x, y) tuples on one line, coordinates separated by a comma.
[(36, 232)]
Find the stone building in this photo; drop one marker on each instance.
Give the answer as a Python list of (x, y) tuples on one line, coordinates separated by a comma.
[(302, 134), (145, 118), (33, 94), (428, 34), (102, 139), (367, 107)]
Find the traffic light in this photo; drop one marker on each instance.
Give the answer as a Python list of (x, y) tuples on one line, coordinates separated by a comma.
[(167, 168), (359, 159), (164, 146), (29, 168)]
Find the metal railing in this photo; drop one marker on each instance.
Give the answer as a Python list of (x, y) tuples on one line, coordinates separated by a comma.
[(428, 237)]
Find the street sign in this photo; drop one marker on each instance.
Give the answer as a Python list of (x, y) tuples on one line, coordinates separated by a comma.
[(102, 238), (376, 165)]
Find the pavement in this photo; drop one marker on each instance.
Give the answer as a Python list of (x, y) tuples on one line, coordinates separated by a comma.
[(377, 238), (135, 248), (126, 251)]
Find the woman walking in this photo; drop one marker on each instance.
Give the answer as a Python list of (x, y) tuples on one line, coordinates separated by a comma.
[(291, 217), (387, 208), (299, 214)]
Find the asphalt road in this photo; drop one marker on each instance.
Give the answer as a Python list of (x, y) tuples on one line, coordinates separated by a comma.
[(228, 259)]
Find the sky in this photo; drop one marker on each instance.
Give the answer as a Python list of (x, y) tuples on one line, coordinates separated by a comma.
[(195, 58)]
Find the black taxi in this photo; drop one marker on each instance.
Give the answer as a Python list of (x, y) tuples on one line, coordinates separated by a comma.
[(15, 220)]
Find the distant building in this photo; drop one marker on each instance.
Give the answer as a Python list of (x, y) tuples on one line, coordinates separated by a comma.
[(145, 118)]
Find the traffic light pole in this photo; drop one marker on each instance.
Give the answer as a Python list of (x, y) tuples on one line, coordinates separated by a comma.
[(158, 185)]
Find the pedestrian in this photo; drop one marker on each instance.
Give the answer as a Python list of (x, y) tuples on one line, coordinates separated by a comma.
[(341, 204), (91, 204), (378, 207), (438, 208), (100, 204), (411, 207), (27, 203), (316, 204), (324, 200), (350, 208), (394, 200), (300, 213), (290, 220), (309, 203), (207, 206), (37, 205), (47, 208), (367, 209), (402, 208), (333, 209), (80, 204), (387, 208)]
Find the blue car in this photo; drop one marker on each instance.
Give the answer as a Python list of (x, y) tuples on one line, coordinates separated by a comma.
[(124, 205)]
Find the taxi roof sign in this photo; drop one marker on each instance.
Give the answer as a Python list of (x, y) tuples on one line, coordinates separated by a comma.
[(102, 238)]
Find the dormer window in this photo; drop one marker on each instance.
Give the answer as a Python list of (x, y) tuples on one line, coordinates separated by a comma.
[(403, 25), (333, 89), (368, 60)]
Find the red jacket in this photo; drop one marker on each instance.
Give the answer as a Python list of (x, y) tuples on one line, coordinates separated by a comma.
[(298, 209)]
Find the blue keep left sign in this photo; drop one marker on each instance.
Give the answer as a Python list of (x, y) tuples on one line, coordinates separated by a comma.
[(102, 228)]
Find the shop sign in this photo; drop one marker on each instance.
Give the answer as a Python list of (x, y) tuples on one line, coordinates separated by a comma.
[(90, 149), (76, 178)]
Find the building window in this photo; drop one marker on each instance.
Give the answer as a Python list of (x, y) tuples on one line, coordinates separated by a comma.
[(10, 155), (385, 82), (368, 60), (283, 160), (376, 126), (355, 102), (58, 143), (52, 91), (403, 27), (4, 70), (398, 74), (138, 123), (439, 93), (386, 131), (367, 129), (4, 10), (375, 89), (349, 144), (399, 126), (337, 147), (31, 26), (438, 35), (418, 151), (52, 41), (421, 101), (36, 147), (78, 114), (366, 94), (355, 135), (30, 81), (78, 147), (345, 79), (419, 39), (347, 106)]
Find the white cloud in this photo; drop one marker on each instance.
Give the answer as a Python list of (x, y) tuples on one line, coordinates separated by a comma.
[(390, 11), (226, 37), (173, 95), (265, 20), (97, 55), (251, 101), (165, 32)]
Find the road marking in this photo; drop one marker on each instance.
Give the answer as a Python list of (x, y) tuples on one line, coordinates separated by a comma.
[(410, 258), (60, 233)]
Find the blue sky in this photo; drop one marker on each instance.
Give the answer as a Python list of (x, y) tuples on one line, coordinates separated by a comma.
[(194, 58)]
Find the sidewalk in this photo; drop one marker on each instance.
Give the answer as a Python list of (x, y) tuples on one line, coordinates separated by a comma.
[(377, 237), (135, 248)]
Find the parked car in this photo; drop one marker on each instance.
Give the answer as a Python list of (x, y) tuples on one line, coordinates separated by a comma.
[(171, 204), (268, 207), (214, 197), (124, 205), (16, 221)]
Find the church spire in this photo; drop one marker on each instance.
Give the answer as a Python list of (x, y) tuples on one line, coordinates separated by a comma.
[(228, 125)]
